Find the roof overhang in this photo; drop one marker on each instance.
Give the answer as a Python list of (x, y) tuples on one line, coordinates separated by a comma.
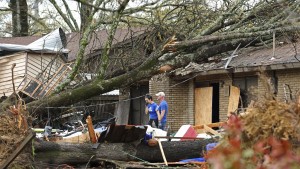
[(282, 66)]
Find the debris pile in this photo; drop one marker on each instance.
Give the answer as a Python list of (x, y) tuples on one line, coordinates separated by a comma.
[(13, 130), (262, 137), (272, 118)]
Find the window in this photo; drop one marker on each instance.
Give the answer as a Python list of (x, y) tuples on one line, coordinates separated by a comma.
[(248, 88)]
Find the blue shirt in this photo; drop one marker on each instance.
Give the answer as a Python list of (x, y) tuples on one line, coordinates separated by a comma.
[(163, 106), (152, 110)]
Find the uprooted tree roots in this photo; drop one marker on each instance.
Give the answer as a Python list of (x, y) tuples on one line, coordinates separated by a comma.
[(13, 130)]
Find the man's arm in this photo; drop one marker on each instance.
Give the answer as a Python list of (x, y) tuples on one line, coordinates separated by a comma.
[(146, 110), (158, 115), (161, 115)]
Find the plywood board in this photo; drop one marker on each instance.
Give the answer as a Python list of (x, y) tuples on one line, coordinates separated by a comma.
[(123, 112), (203, 105), (233, 99)]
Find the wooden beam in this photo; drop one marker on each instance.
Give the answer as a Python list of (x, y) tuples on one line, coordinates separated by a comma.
[(218, 124), (30, 136), (162, 152), (208, 129)]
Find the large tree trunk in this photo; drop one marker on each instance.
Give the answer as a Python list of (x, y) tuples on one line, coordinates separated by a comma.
[(73, 154), (19, 17)]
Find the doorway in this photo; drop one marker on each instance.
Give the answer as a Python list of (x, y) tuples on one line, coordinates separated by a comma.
[(215, 102), (207, 103), (137, 114)]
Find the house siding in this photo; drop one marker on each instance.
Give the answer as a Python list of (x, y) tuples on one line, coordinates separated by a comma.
[(5, 72), (49, 63)]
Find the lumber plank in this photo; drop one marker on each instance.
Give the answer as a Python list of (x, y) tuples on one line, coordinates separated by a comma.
[(29, 137), (218, 124)]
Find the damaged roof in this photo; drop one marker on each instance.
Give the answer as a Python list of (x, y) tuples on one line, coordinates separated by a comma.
[(51, 43), (95, 44), (286, 56)]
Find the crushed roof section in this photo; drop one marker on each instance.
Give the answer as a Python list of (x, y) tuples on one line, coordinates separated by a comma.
[(98, 40), (251, 57), (54, 42)]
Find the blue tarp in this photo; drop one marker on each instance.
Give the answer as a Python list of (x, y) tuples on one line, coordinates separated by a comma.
[(193, 160)]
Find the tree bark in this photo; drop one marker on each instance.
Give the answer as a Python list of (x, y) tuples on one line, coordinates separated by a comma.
[(19, 17), (73, 154), (85, 12)]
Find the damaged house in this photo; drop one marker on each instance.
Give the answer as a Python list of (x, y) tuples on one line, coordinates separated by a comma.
[(204, 93), (208, 92), (34, 66), (38, 66), (196, 94)]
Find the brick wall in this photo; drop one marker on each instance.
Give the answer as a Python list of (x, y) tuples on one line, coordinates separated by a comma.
[(178, 97), (191, 102), (224, 97), (178, 101), (291, 78)]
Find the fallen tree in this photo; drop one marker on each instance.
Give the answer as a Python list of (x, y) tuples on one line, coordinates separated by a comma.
[(75, 154), (243, 23)]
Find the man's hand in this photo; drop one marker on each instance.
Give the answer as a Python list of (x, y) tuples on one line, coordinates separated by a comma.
[(159, 124)]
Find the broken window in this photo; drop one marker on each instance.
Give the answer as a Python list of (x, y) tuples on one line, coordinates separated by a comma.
[(248, 89)]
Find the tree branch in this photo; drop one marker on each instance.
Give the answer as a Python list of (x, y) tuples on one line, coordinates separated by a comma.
[(39, 21), (71, 15), (215, 38), (104, 56), (63, 15), (219, 23), (82, 46)]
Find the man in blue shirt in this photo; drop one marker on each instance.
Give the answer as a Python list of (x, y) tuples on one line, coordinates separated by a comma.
[(151, 109), (162, 110)]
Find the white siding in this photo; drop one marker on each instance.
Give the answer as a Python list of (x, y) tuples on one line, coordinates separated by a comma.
[(5, 72), (44, 68)]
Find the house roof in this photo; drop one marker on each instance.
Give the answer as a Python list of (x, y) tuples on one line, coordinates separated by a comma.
[(252, 59), (54, 42), (97, 41), (25, 40)]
